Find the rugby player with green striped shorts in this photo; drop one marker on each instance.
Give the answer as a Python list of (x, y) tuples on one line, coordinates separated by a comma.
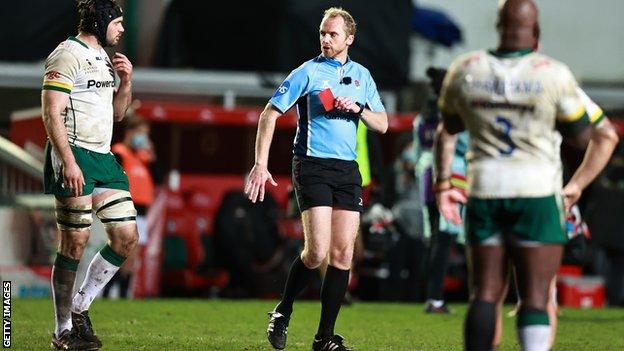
[(516, 104), (81, 97)]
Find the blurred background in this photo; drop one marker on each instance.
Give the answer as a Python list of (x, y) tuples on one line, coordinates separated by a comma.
[(203, 71)]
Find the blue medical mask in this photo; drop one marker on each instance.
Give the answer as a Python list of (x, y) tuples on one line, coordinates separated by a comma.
[(139, 141)]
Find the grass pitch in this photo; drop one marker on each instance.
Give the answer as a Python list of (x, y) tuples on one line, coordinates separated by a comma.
[(241, 325)]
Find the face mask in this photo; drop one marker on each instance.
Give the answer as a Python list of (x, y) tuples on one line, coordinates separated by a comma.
[(139, 141)]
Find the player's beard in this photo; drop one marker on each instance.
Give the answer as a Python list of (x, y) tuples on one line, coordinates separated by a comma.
[(114, 42)]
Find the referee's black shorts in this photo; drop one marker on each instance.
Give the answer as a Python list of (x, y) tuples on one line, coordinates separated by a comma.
[(327, 182)]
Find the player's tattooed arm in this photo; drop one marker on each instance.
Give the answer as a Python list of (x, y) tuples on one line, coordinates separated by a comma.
[(53, 103)]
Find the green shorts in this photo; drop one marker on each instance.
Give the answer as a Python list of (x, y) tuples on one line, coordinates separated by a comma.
[(99, 171), (520, 221)]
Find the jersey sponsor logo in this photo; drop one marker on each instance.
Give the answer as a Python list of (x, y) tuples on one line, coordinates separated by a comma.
[(92, 70), (52, 75), (502, 106), (102, 84), (282, 89), (357, 83), (501, 87), (344, 116)]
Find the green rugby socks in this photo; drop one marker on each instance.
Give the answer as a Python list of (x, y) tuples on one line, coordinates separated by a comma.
[(62, 281)]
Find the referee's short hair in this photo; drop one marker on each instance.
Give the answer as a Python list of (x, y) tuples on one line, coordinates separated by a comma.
[(333, 12)]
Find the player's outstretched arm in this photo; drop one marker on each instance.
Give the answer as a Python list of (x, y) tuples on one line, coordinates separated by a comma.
[(259, 174), (53, 102), (123, 95), (602, 141)]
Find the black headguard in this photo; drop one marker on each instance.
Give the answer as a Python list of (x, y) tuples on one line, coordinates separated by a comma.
[(95, 15)]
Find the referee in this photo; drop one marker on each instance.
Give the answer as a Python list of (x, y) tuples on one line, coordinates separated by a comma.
[(331, 93)]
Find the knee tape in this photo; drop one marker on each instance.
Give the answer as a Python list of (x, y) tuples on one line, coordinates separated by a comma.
[(116, 210), (73, 217)]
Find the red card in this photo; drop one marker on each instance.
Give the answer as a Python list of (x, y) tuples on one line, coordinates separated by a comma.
[(327, 99)]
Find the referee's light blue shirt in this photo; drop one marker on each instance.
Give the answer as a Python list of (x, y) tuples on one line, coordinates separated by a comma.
[(319, 133)]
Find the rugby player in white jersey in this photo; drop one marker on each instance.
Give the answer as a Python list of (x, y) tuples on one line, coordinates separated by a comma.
[(516, 104), (574, 227), (80, 99)]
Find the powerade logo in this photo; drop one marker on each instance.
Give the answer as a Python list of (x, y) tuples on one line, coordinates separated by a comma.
[(105, 84), (282, 89)]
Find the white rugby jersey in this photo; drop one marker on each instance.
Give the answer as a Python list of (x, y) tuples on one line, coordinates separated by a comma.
[(513, 106), (87, 75)]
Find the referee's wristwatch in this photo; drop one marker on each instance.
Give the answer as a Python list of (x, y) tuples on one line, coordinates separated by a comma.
[(359, 113)]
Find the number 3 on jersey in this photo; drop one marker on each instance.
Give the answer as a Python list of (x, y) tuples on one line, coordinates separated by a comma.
[(505, 126)]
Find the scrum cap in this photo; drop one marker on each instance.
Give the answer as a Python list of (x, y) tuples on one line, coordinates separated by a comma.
[(95, 15)]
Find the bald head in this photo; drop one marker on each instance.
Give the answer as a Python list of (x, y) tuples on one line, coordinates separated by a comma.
[(518, 24), (518, 13)]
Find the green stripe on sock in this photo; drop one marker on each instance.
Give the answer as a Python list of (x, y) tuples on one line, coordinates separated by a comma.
[(66, 263), (527, 318), (111, 256)]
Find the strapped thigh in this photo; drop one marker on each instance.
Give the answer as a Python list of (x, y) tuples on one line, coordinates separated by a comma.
[(73, 217), (116, 210)]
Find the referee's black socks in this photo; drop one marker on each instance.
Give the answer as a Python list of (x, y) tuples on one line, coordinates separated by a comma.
[(332, 293), (298, 279)]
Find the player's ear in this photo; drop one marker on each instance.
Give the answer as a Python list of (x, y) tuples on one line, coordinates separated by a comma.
[(536, 35), (537, 31)]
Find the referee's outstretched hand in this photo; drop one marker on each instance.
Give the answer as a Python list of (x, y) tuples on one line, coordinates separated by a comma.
[(254, 186)]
